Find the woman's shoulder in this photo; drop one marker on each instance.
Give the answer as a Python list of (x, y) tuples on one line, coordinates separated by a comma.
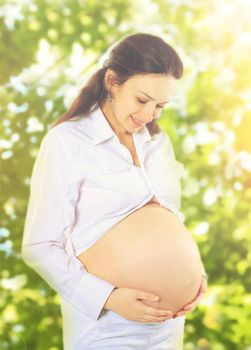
[(163, 140), (67, 138), (72, 127), (72, 132)]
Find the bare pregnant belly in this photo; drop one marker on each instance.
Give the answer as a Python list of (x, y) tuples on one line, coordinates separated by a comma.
[(152, 251)]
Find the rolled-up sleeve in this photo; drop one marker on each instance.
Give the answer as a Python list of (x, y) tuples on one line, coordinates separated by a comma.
[(50, 212)]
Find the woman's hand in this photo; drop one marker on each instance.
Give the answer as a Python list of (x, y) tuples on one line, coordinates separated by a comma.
[(128, 303), (191, 306)]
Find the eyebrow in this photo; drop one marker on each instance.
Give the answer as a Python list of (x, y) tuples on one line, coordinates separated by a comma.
[(150, 96)]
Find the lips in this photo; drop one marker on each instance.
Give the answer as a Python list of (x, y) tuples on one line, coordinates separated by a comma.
[(137, 121)]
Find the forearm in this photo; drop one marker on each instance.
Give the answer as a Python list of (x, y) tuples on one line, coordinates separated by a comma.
[(68, 277)]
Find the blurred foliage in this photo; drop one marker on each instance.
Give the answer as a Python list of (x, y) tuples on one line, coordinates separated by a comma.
[(47, 51)]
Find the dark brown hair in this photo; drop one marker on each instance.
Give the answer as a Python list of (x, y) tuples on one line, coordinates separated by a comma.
[(136, 54)]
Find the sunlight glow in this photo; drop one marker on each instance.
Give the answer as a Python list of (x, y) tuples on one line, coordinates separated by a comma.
[(34, 124), (14, 283), (201, 228), (210, 196)]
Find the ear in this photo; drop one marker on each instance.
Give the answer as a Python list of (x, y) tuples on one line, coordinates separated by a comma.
[(110, 79)]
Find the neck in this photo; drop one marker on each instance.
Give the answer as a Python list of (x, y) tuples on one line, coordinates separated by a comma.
[(122, 134)]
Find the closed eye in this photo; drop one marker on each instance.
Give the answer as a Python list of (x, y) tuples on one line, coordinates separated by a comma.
[(143, 102)]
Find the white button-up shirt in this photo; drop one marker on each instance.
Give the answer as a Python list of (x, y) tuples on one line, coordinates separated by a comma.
[(83, 182)]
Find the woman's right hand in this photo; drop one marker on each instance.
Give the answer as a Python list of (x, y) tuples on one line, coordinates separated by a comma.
[(127, 303)]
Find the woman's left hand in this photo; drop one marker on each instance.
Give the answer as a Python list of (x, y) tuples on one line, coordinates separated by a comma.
[(191, 306)]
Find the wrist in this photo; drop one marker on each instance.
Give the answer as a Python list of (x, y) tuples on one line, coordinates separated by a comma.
[(108, 303)]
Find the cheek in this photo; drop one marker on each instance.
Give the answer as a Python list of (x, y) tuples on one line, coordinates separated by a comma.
[(126, 106)]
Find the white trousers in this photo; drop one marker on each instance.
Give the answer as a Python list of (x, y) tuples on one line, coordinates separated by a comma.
[(113, 332)]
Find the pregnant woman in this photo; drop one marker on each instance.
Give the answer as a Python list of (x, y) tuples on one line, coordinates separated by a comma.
[(103, 226)]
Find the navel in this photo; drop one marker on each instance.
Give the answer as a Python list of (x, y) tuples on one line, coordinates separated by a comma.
[(188, 282)]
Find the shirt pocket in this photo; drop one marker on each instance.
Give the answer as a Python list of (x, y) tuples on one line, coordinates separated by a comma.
[(112, 169), (92, 169), (117, 177)]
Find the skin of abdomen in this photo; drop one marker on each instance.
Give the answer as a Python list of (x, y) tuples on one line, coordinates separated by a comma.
[(149, 250)]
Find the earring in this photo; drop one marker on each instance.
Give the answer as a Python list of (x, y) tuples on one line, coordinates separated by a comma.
[(109, 97)]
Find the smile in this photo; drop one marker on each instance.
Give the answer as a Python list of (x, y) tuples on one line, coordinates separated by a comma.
[(137, 122)]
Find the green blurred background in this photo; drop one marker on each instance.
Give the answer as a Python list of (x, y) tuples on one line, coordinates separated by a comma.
[(48, 49)]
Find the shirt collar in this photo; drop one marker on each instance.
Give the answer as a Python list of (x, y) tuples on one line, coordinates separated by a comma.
[(102, 130)]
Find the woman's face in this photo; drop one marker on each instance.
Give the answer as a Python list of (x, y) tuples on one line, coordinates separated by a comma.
[(142, 97)]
